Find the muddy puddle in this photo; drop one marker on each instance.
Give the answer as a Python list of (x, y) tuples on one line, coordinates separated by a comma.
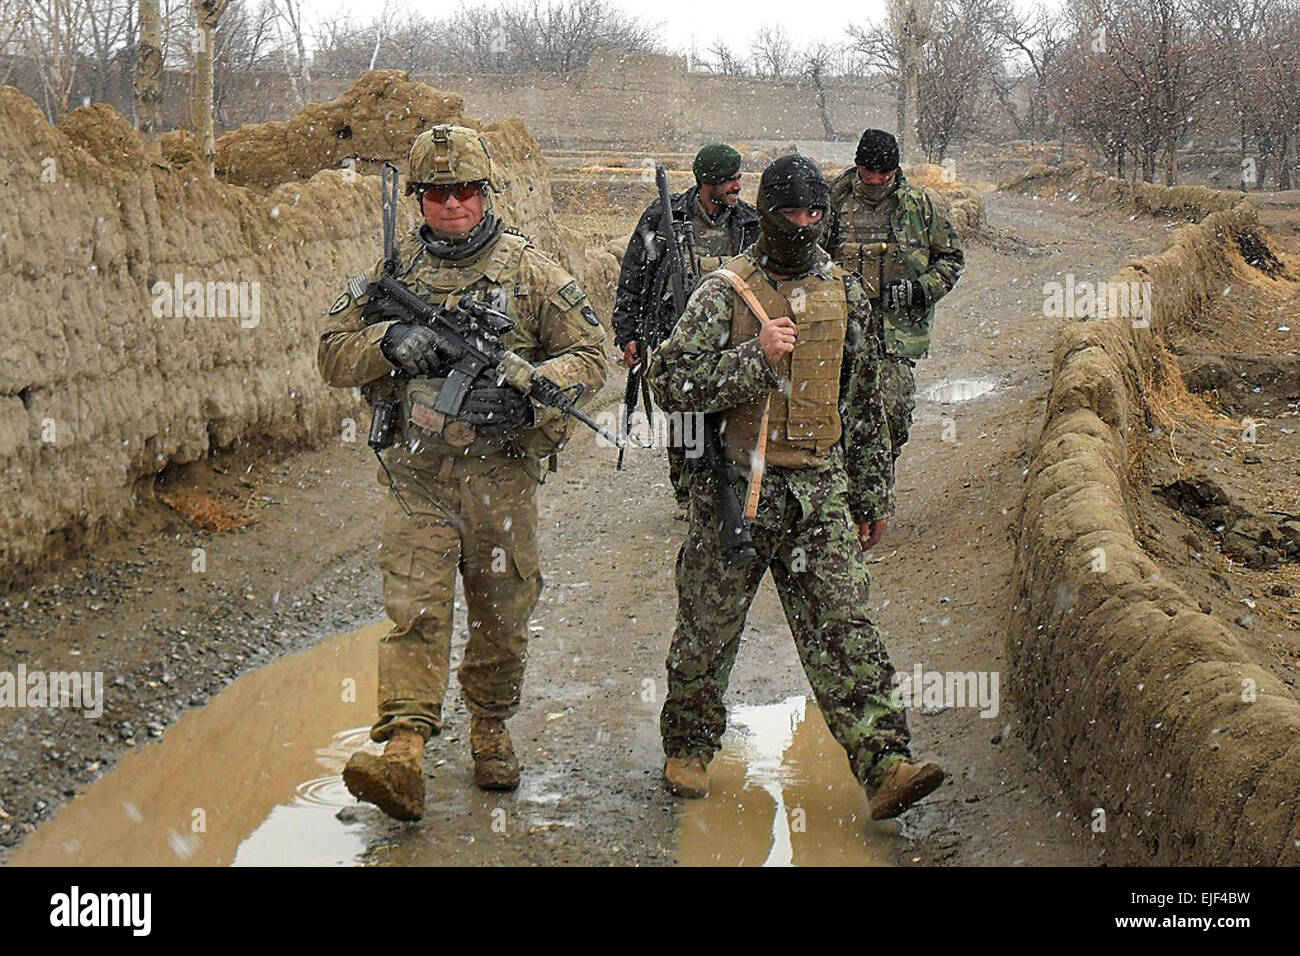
[(951, 391), (781, 794), (252, 778)]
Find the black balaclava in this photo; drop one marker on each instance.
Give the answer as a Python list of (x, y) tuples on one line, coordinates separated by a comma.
[(782, 246), (878, 152)]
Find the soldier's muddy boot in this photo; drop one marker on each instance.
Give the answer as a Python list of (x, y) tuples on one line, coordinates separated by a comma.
[(687, 777), (495, 764), (394, 782), (903, 784)]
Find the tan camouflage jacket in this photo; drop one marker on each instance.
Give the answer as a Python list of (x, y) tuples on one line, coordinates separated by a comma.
[(555, 328)]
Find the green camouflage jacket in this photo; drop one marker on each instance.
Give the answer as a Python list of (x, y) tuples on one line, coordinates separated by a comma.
[(928, 250)]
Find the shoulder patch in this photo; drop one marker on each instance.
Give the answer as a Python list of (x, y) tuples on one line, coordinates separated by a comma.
[(589, 314), (341, 303), (571, 294)]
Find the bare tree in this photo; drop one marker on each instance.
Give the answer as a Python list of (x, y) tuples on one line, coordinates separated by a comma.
[(149, 74), (206, 15), (818, 61), (772, 52), (891, 49), (557, 37), (1272, 62), (940, 56), (909, 20), (1032, 38), (1135, 79), (955, 81), (290, 34), (245, 41), (476, 41), (384, 26), (110, 48), (549, 37), (53, 35), (9, 25), (720, 58)]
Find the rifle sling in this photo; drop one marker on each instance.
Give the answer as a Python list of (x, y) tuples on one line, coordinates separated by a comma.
[(760, 451)]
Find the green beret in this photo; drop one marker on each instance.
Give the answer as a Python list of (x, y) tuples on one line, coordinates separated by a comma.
[(716, 163)]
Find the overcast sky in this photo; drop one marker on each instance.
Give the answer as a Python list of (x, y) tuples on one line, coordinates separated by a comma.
[(684, 21)]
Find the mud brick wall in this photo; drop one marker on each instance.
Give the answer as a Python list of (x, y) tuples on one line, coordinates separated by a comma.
[(97, 392), (1132, 695), (1193, 203), (376, 119), (620, 101)]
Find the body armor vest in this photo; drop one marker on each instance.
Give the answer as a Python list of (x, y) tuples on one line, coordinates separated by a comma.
[(870, 250), (804, 417), (443, 282)]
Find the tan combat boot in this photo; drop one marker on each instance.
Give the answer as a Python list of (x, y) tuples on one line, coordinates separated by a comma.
[(687, 777), (495, 764), (394, 782), (903, 784)]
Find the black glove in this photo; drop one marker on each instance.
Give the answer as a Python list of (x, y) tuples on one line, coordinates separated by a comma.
[(411, 348), (902, 294), (492, 408)]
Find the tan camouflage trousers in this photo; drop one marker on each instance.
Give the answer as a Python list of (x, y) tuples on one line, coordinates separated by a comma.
[(821, 577), (472, 515), (898, 387)]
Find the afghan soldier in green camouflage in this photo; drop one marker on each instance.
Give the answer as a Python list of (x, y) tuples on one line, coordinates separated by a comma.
[(463, 488), (894, 237), (722, 224), (826, 494)]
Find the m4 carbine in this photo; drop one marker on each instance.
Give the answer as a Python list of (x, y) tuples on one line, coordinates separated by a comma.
[(468, 340)]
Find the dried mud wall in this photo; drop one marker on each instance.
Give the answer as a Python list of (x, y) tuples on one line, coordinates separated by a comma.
[(1136, 698), (1076, 178), (376, 120), (103, 381), (962, 203)]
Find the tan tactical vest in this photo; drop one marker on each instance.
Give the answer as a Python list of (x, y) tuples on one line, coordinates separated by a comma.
[(438, 281), (804, 417), (869, 250)]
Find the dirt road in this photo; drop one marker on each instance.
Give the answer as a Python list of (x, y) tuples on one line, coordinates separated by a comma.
[(260, 758)]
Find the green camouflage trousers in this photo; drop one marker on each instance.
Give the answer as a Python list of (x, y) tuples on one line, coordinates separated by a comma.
[(898, 387), (478, 516), (821, 577)]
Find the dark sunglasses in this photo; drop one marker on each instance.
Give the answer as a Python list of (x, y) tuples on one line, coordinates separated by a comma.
[(462, 191)]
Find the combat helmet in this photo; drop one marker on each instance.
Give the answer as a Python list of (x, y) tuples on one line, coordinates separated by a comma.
[(450, 154)]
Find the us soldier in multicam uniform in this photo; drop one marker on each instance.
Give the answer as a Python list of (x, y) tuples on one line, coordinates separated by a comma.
[(469, 482), (826, 495), (723, 224), (896, 239)]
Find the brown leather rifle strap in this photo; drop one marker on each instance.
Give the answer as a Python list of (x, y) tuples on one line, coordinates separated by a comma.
[(760, 450)]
